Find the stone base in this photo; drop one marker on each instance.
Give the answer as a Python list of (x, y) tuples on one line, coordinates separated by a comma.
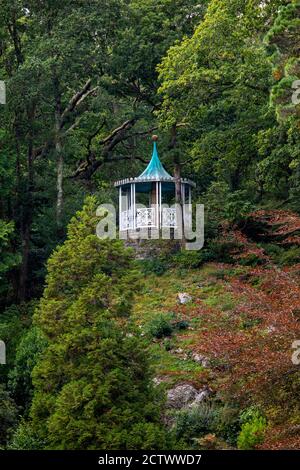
[(148, 249)]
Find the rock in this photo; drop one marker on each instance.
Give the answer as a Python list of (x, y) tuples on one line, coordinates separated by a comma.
[(184, 298), (186, 396), (178, 351), (201, 395), (204, 361), (181, 396)]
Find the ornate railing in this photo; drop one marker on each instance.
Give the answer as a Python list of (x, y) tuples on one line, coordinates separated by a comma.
[(169, 217), (126, 221), (147, 217)]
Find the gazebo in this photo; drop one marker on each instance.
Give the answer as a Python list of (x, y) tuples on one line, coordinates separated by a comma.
[(155, 188)]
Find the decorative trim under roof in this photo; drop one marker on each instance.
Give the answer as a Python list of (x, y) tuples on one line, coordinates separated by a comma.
[(149, 180)]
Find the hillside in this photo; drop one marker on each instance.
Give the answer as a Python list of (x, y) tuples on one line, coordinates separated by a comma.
[(233, 337)]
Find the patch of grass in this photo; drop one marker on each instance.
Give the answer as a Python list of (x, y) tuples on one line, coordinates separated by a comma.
[(219, 299), (167, 363)]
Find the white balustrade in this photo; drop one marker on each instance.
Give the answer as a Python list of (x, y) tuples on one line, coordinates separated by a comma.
[(146, 218), (169, 217)]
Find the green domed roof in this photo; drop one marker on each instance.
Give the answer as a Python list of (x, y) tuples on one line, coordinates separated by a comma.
[(155, 170)]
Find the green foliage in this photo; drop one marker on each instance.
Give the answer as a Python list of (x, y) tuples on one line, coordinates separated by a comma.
[(225, 113), (221, 251), (157, 266), (238, 206), (8, 258), (251, 259), (14, 323), (195, 422), (222, 204), (189, 259), (253, 430), (160, 326), (222, 420), (228, 423), (289, 256), (8, 416), (28, 351), (284, 37), (92, 382), (24, 437), (283, 256)]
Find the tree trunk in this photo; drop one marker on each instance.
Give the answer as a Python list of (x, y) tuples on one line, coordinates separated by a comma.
[(59, 176), (26, 216), (59, 154)]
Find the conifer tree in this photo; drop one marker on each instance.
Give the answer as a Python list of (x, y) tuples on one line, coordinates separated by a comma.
[(92, 385)]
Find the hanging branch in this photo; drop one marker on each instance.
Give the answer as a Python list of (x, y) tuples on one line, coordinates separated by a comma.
[(87, 168)]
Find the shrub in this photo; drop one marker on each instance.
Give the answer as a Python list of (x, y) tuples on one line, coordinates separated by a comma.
[(196, 421), (253, 430), (189, 259), (160, 326), (24, 438), (283, 256), (156, 266), (221, 251), (251, 260), (289, 257), (181, 325), (238, 206), (229, 425)]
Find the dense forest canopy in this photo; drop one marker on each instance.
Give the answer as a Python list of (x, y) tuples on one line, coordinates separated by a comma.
[(87, 84)]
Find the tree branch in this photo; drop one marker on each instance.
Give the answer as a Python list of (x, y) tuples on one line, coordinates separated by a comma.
[(75, 99)]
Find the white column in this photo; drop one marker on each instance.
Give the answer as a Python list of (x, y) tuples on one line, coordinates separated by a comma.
[(120, 208), (160, 211), (131, 204), (183, 201), (134, 205), (157, 204)]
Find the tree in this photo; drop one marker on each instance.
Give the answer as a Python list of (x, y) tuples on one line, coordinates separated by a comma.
[(92, 383), (9, 256), (283, 41), (80, 102), (28, 351), (8, 416), (216, 83)]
